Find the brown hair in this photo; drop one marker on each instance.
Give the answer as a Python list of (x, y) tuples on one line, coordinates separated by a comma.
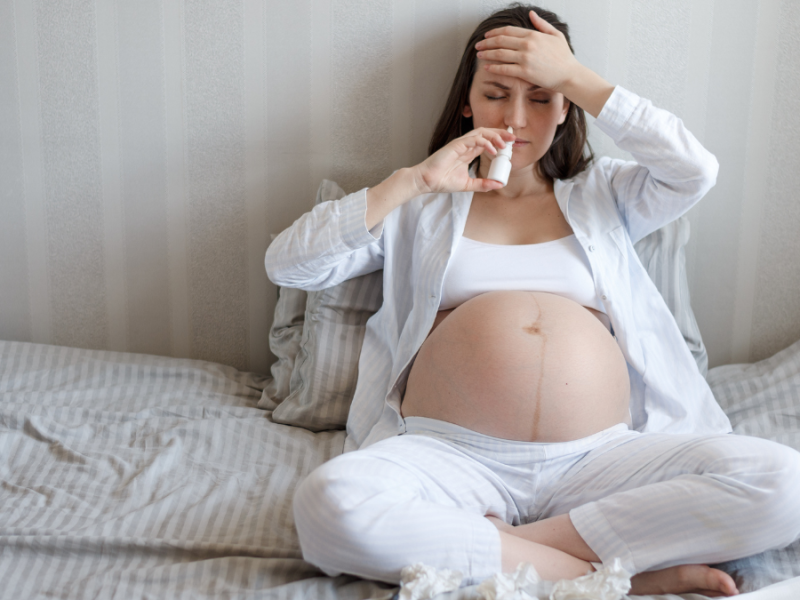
[(565, 158)]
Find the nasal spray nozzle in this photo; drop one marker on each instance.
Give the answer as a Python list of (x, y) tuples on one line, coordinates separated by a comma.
[(501, 165)]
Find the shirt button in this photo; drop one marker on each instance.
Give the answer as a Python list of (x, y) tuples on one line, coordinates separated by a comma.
[(591, 248), (604, 297)]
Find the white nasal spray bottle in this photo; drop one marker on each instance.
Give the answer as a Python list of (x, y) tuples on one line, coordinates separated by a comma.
[(501, 165)]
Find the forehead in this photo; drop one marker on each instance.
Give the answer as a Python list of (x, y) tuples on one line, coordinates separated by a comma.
[(485, 78)]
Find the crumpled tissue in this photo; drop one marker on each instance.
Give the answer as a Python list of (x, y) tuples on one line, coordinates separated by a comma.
[(421, 582), (607, 583), (522, 584)]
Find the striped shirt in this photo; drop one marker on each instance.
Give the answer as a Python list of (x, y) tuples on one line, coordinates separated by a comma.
[(610, 206)]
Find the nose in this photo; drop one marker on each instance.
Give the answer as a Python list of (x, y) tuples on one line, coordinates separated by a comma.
[(515, 112)]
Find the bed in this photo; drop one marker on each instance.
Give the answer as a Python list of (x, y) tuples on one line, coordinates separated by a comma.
[(137, 476)]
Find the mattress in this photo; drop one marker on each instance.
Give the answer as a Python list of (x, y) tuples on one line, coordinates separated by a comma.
[(135, 476)]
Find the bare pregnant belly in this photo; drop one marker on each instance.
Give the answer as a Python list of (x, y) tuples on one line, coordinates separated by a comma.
[(527, 366)]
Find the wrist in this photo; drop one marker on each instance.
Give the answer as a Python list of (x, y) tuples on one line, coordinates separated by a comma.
[(395, 190), (586, 89), (572, 78), (416, 181)]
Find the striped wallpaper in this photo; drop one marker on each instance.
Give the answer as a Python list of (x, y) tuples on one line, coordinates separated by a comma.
[(149, 148)]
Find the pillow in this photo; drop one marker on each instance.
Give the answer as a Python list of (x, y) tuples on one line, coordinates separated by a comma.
[(284, 341), (326, 368), (286, 332), (663, 255), (325, 371)]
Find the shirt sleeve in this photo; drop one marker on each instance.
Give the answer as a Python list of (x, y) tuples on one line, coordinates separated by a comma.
[(672, 169), (326, 246)]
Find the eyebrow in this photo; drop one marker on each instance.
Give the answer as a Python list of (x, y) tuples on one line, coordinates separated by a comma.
[(504, 87)]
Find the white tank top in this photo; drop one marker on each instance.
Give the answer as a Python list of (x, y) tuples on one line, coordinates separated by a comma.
[(560, 267)]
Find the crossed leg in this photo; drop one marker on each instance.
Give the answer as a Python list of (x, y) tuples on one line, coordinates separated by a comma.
[(666, 505), (663, 501), (524, 544)]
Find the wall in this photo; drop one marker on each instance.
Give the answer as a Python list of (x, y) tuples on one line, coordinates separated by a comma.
[(149, 148)]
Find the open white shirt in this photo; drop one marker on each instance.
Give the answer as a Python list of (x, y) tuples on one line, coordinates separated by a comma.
[(610, 206)]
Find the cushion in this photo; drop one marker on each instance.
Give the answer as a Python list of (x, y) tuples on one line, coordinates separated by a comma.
[(325, 370), (663, 255), (284, 341)]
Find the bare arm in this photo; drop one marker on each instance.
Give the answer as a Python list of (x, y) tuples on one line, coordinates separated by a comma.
[(390, 193)]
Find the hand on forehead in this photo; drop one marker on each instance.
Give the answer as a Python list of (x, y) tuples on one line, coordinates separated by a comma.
[(539, 56)]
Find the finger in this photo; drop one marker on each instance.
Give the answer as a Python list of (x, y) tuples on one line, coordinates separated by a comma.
[(497, 137), (483, 185), (504, 135), (510, 69), (541, 24), (508, 30), (504, 56), (507, 135), (501, 41), (489, 146), (476, 144)]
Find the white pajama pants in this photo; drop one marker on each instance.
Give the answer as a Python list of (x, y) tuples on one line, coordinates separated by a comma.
[(653, 500)]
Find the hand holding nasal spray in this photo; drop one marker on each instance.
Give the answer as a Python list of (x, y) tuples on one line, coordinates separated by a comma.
[(501, 165)]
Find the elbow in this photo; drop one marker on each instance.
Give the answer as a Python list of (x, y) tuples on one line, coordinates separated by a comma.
[(280, 270), (712, 170), (272, 266), (707, 176), (290, 274)]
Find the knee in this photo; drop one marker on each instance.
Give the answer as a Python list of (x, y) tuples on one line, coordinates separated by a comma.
[(320, 516), (782, 469), (768, 474), (336, 513)]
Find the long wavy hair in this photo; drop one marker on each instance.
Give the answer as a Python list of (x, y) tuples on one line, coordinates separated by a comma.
[(570, 152)]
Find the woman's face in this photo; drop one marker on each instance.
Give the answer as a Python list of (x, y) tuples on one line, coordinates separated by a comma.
[(501, 101)]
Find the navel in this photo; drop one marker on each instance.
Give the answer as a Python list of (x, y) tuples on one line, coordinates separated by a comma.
[(534, 328)]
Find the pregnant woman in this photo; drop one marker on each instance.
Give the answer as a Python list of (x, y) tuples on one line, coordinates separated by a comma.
[(524, 393)]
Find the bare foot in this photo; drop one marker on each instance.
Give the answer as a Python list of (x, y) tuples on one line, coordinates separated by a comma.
[(699, 579)]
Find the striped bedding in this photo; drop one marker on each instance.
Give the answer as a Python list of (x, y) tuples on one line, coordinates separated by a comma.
[(135, 476)]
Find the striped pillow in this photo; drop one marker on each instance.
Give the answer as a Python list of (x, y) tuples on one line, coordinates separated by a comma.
[(325, 370), (284, 341), (663, 255), (323, 380)]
